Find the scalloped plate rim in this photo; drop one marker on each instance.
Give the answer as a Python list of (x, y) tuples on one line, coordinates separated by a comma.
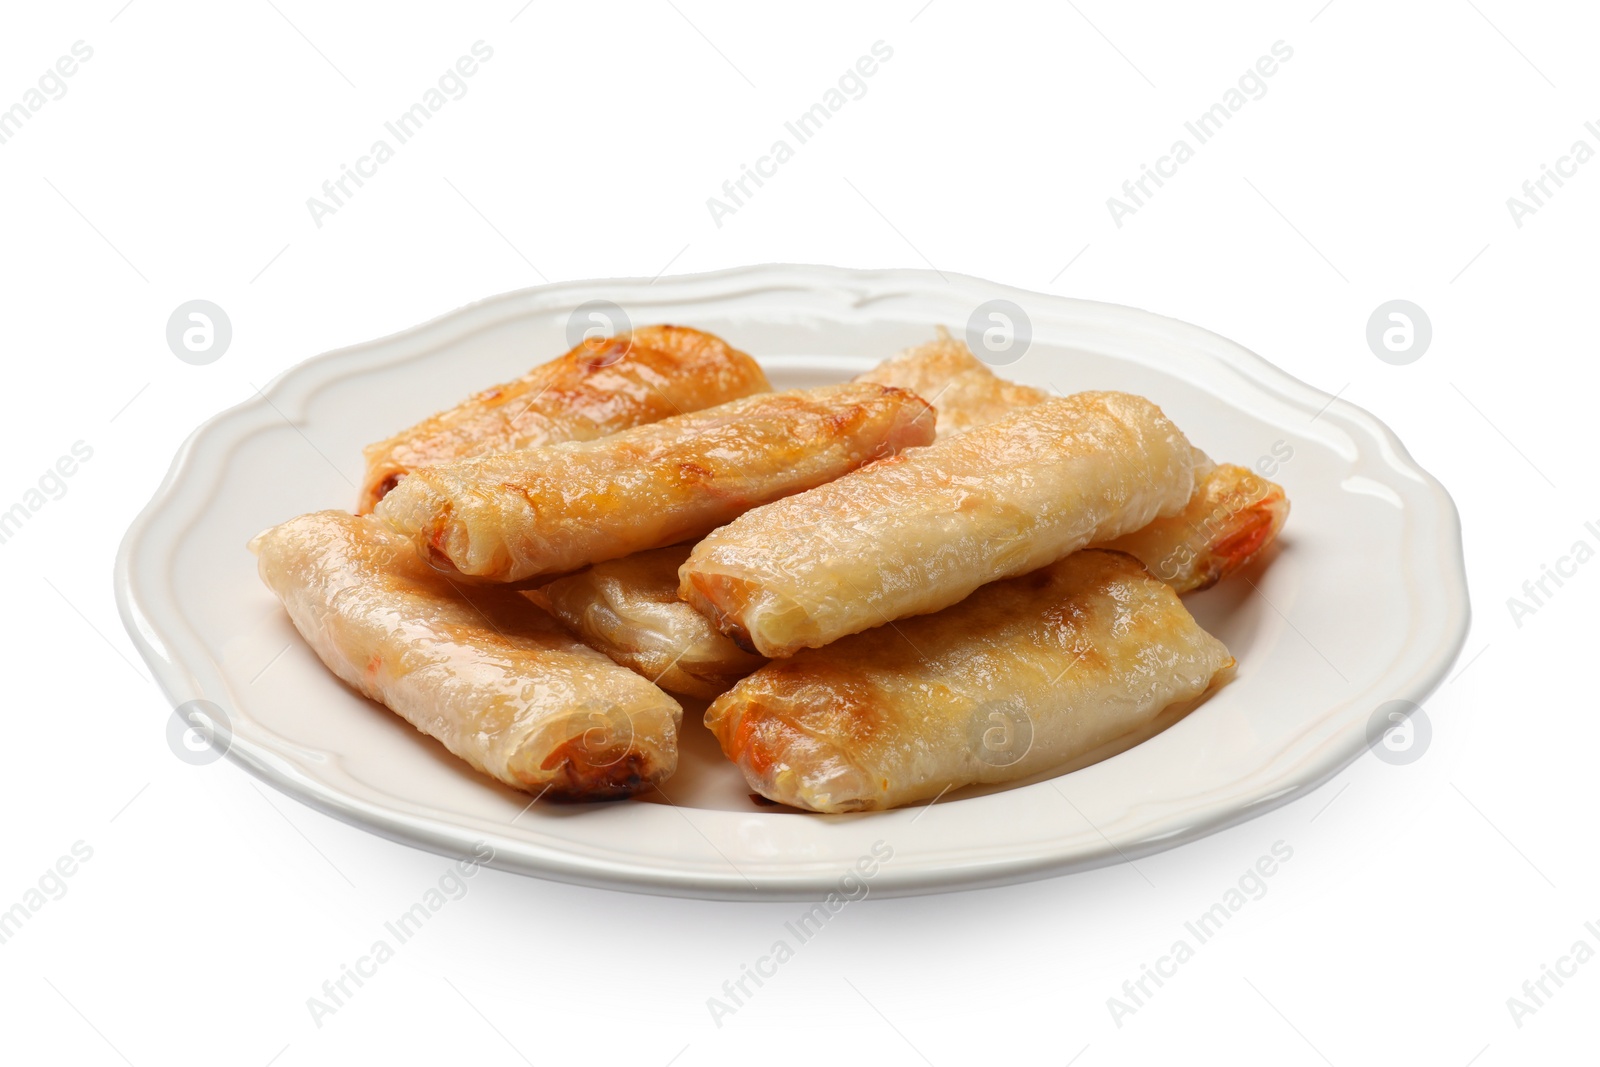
[(1320, 762)]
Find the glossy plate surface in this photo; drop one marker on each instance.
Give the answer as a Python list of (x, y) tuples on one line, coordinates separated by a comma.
[(1363, 602)]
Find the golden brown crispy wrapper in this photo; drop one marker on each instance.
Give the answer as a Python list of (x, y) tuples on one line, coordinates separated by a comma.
[(1231, 517), (547, 511), (1021, 677), (918, 532), (597, 389), (629, 609), (962, 389), (492, 677)]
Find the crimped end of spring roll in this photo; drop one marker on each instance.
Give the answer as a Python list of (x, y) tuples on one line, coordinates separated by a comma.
[(1233, 515), (603, 752), (785, 763), (748, 614)]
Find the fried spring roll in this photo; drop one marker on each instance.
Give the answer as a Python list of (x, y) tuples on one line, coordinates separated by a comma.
[(629, 609), (918, 532), (1233, 515), (1021, 677), (482, 670), (598, 388), (962, 389), (546, 511)]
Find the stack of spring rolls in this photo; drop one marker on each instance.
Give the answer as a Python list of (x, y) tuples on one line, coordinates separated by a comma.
[(923, 579)]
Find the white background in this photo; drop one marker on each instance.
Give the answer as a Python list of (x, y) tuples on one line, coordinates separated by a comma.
[(1377, 166)]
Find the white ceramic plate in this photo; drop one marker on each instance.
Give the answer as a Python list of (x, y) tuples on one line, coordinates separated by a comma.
[(1363, 602)]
